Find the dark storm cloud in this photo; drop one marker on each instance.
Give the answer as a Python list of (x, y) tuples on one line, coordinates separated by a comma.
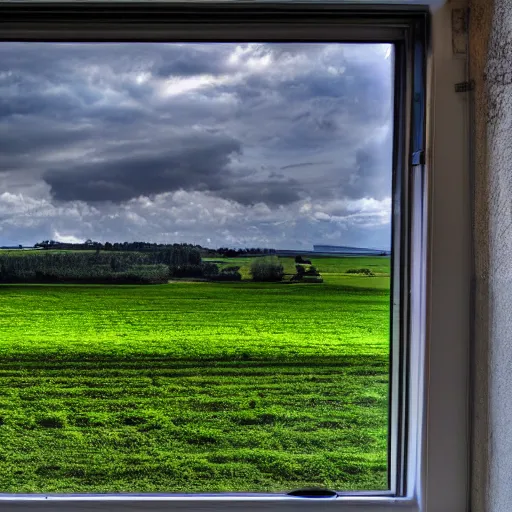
[(192, 163), (305, 164), (195, 163), (28, 137), (273, 193)]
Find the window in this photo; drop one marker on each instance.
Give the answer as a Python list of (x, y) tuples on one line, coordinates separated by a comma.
[(254, 35)]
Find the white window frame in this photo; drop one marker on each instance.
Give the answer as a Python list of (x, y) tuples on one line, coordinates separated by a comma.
[(434, 425)]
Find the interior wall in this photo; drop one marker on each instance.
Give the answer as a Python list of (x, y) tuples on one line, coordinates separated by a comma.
[(450, 236)]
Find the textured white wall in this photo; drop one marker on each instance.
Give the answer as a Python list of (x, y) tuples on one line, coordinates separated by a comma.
[(491, 68), (499, 159)]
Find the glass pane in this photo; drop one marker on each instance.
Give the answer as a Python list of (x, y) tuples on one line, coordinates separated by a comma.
[(195, 266)]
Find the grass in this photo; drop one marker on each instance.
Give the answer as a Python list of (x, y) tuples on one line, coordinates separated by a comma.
[(196, 387)]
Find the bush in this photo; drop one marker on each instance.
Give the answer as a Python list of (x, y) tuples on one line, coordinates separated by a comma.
[(230, 269), (187, 270), (312, 279), (267, 269), (205, 269), (226, 274), (210, 269), (364, 271), (309, 276)]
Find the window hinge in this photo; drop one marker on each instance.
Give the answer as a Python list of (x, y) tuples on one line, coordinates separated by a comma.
[(418, 158), (460, 32), (465, 86)]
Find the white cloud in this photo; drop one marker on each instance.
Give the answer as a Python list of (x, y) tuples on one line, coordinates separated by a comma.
[(67, 239), (196, 217), (322, 216)]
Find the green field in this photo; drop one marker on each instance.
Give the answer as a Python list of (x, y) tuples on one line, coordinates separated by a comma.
[(196, 386)]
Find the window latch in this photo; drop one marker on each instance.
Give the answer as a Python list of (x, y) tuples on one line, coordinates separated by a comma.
[(418, 158)]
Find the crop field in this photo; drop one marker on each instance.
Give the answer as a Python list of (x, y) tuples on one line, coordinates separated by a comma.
[(197, 386)]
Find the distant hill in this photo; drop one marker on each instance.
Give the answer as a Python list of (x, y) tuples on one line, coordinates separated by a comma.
[(328, 250), (344, 249)]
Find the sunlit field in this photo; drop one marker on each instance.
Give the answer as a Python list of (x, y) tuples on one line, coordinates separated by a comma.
[(197, 386)]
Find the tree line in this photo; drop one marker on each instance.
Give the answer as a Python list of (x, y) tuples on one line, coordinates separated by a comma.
[(137, 267), (89, 245), (104, 267)]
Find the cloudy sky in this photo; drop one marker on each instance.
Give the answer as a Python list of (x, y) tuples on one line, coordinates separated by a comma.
[(269, 145)]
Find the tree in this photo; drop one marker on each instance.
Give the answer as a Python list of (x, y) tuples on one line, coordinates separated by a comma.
[(268, 268), (115, 264)]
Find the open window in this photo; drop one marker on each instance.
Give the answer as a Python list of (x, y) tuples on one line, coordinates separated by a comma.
[(214, 264)]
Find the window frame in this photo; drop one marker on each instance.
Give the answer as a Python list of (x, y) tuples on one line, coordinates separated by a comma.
[(406, 27)]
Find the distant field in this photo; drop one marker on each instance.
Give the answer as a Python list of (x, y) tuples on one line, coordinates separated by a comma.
[(196, 387), (331, 267)]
